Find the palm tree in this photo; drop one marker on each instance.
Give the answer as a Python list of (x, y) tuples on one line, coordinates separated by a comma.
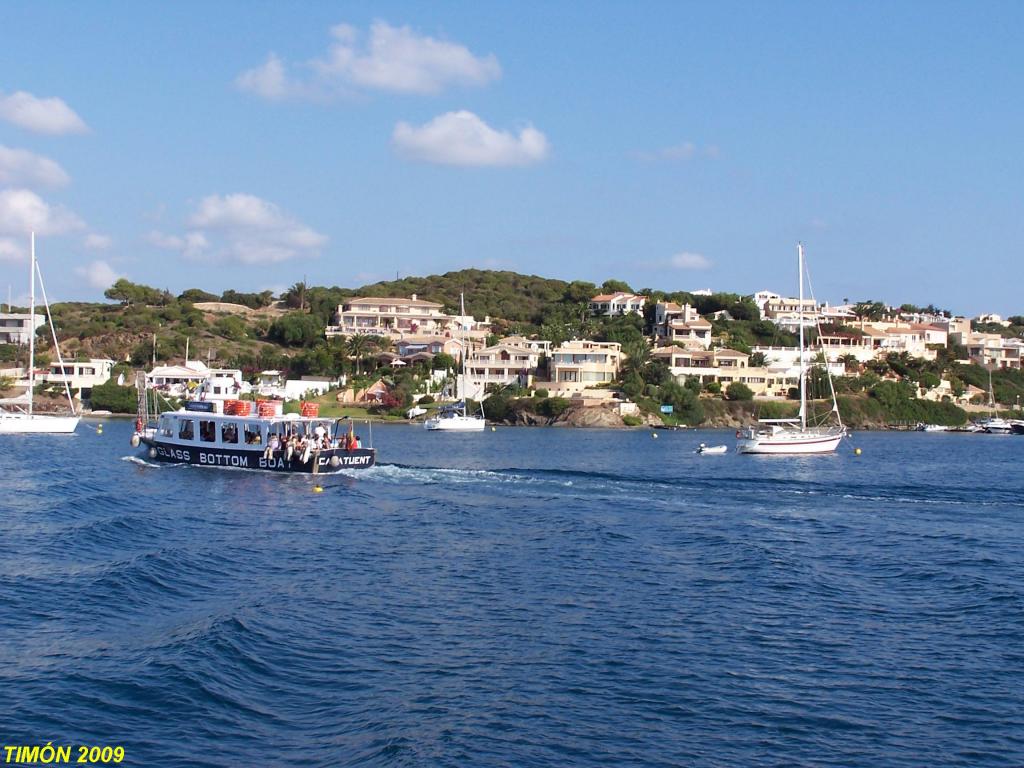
[(357, 346)]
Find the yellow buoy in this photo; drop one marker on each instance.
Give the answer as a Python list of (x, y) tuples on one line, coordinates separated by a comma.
[(318, 489), (493, 429), (856, 451), (654, 435)]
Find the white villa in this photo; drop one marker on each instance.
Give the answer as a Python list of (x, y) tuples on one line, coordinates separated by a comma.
[(17, 328), (502, 364), (81, 376), (578, 364), (618, 303), (394, 317), (726, 366), (681, 324)]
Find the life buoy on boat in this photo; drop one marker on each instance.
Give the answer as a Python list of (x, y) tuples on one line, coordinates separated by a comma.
[(739, 434), (138, 425)]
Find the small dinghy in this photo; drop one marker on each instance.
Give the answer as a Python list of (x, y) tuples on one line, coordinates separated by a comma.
[(712, 449)]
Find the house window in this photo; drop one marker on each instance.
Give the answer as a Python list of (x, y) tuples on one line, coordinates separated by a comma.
[(186, 430)]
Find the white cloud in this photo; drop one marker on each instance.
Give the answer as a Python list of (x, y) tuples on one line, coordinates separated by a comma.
[(462, 138), (51, 116), (167, 242), (19, 167), (94, 241), (98, 274), (23, 211), (394, 59), (242, 228), (271, 81), (11, 250), (687, 260)]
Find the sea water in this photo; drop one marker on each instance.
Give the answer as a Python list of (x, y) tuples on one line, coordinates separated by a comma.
[(522, 597)]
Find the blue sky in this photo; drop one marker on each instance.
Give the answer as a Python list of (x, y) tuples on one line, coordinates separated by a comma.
[(671, 145)]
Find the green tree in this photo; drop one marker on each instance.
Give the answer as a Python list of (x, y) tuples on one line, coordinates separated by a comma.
[(192, 295), (579, 291), (111, 397), (129, 293), (358, 346), (443, 362), (296, 329), (738, 391), (869, 310), (615, 286)]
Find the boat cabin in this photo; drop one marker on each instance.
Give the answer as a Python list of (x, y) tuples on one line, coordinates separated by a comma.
[(237, 432)]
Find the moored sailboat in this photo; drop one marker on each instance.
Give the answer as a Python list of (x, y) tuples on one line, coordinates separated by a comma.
[(17, 414), (456, 417), (796, 436)]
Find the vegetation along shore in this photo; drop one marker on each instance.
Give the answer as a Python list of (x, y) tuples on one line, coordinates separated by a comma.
[(292, 334)]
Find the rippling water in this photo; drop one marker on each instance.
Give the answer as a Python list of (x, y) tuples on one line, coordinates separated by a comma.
[(520, 598)]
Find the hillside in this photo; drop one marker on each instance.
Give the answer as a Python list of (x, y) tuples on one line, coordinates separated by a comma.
[(252, 331)]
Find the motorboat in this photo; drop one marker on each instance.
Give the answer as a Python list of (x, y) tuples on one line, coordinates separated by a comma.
[(289, 443), (713, 450)]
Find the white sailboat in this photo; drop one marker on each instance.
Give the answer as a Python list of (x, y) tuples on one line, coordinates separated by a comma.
[(795, 436), (17, 414), (456, 418), (994, 424)]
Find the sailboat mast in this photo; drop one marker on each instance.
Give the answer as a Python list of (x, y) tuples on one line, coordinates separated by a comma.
[(32, 323), (462, 338), (803, 362)]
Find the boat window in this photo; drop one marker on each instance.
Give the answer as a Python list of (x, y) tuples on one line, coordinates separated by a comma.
[(186, 430), (207, 431), (165, 427), (229, 432), (252, 434)]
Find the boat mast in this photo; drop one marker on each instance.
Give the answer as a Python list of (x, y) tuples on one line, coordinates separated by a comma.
[(32, 323), (803, 363), (462, 338)]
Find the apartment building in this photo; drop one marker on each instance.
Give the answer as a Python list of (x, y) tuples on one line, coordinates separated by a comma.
[(578, 364)]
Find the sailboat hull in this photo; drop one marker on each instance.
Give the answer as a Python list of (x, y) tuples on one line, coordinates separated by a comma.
[(23, 424), (790, 444), (456, 423)]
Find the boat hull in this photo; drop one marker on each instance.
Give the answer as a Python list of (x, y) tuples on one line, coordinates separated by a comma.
[(318, 462), (23, 424), (712, 450), (455, 424), (789, 445)]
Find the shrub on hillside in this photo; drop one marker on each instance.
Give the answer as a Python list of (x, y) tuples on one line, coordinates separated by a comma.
[(111, 397), (738, 391)]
